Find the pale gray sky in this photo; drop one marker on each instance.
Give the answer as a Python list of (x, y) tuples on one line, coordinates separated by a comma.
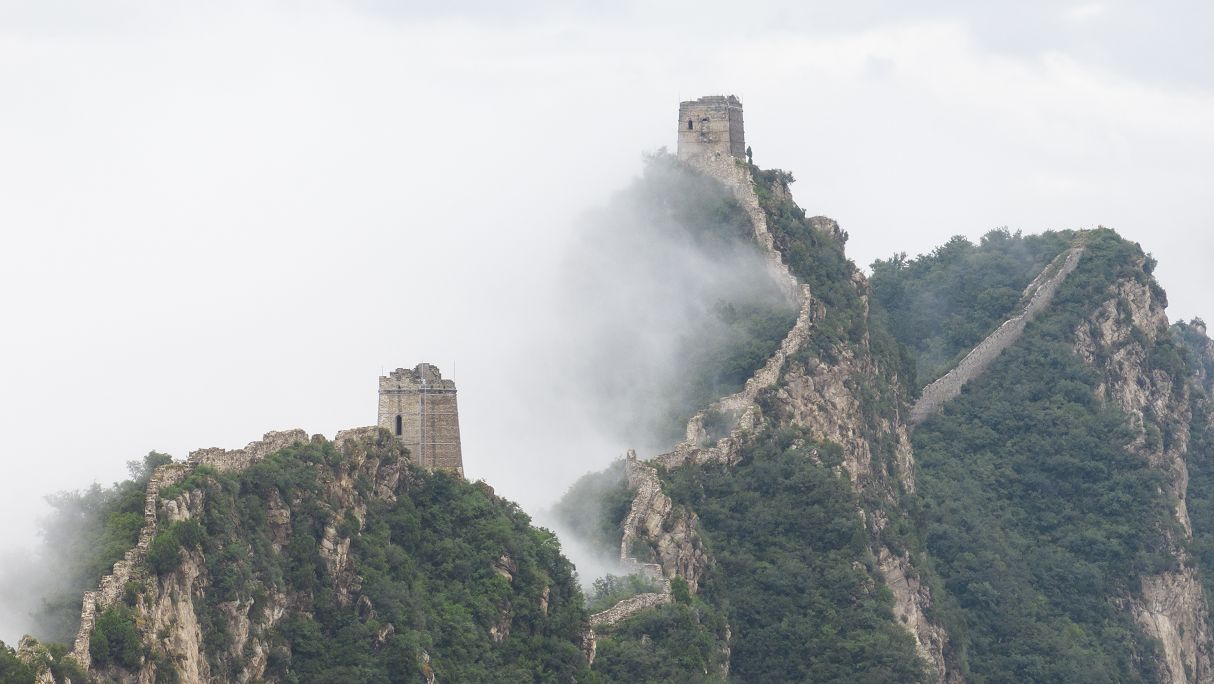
[(222, 218)]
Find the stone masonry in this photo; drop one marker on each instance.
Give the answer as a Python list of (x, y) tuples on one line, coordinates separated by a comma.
[(419, 407), (711, 127)]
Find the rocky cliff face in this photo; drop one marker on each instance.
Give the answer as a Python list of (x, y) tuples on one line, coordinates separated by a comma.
[(837, 398), (298, 558), (819, 391), (131, 568), (168, 604), (1122, 339)]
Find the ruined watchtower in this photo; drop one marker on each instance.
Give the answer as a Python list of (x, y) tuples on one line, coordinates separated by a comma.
[(418, 406), (711, 127)]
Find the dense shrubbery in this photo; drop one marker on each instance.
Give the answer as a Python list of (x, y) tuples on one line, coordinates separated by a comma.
[(1200, 457), (942, 304), (12, 670), (683, 642), (793, 572), (1034, 513), (115, 639), (165, 549)]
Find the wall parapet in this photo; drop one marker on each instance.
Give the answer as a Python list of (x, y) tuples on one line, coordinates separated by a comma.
[(629, 607), (224, 460)]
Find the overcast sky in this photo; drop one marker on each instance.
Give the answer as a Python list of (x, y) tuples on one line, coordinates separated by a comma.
[(222, 218)]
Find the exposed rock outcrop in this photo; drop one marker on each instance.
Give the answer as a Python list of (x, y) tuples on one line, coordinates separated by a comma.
[(818, 396), (669, 533), (166, 605), (827, 398), (39, 659), (1117, 340)]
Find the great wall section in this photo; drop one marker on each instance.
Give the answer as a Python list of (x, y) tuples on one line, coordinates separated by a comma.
[(650, 512), (1039, 294), (651, 515), (432, 431), (671, 533), (110, 590)]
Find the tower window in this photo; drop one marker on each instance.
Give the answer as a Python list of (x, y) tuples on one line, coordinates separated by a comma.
[(689, 127), (398, 426)]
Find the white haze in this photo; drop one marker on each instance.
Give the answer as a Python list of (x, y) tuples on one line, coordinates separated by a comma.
[(636, 311), (224, 218)]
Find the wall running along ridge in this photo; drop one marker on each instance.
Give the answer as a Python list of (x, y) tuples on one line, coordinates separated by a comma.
[(110, 590), (1039, 292), (629, 607), (166, 604), (651, 516), (821, 398)]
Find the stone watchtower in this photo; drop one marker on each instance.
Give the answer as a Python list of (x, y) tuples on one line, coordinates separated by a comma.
[(711, 127), (418, 406)]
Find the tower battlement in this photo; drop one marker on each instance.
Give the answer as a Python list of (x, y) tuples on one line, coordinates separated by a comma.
[(419, 407), (711, 127)]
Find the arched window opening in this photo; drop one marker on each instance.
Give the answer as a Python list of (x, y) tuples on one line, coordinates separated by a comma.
[(689, 126), (398, 426)]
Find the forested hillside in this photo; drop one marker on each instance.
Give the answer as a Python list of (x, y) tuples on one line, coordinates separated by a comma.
[(339, 562), (1054, 522), (1037, 515), (942, 304)]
